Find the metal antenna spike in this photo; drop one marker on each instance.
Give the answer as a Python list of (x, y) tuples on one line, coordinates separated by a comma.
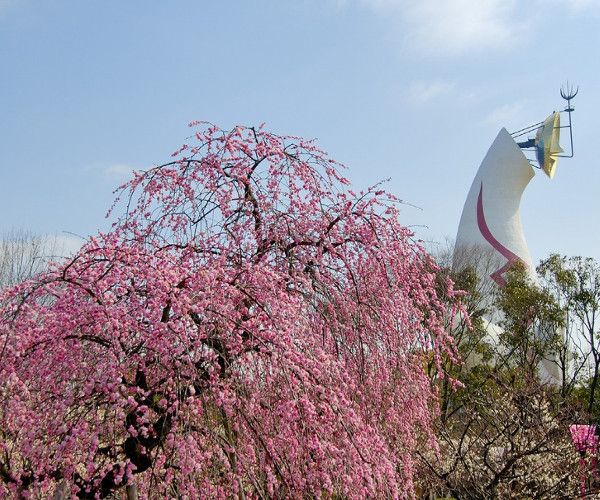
[(568, 92)]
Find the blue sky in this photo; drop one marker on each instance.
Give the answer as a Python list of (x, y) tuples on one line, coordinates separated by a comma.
[(414, 90)]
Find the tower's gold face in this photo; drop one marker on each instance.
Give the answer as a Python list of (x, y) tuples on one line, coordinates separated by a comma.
[(547, 144)]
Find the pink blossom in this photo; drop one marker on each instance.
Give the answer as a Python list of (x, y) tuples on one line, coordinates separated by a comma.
[(247, 324), (584, 437)]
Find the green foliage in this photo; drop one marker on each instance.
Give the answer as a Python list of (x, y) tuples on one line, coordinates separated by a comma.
[(532, 321), (580, 398), (504, 431), (575, 284)]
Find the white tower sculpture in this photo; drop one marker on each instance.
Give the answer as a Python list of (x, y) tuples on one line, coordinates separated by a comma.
[(490, 224)]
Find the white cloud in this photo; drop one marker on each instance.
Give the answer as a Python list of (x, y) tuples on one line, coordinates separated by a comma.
[(423, 92), (579, 5), (455, 26), (574, 7), (507, 115), (119, 171)]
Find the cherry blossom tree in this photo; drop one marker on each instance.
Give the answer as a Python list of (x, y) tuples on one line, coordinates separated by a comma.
[(249, 327)]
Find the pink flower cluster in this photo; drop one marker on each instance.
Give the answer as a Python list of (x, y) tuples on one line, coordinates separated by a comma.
[(248, 326), (584, 437)]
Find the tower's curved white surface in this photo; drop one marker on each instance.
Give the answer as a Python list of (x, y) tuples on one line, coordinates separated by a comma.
[(491, 221)]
